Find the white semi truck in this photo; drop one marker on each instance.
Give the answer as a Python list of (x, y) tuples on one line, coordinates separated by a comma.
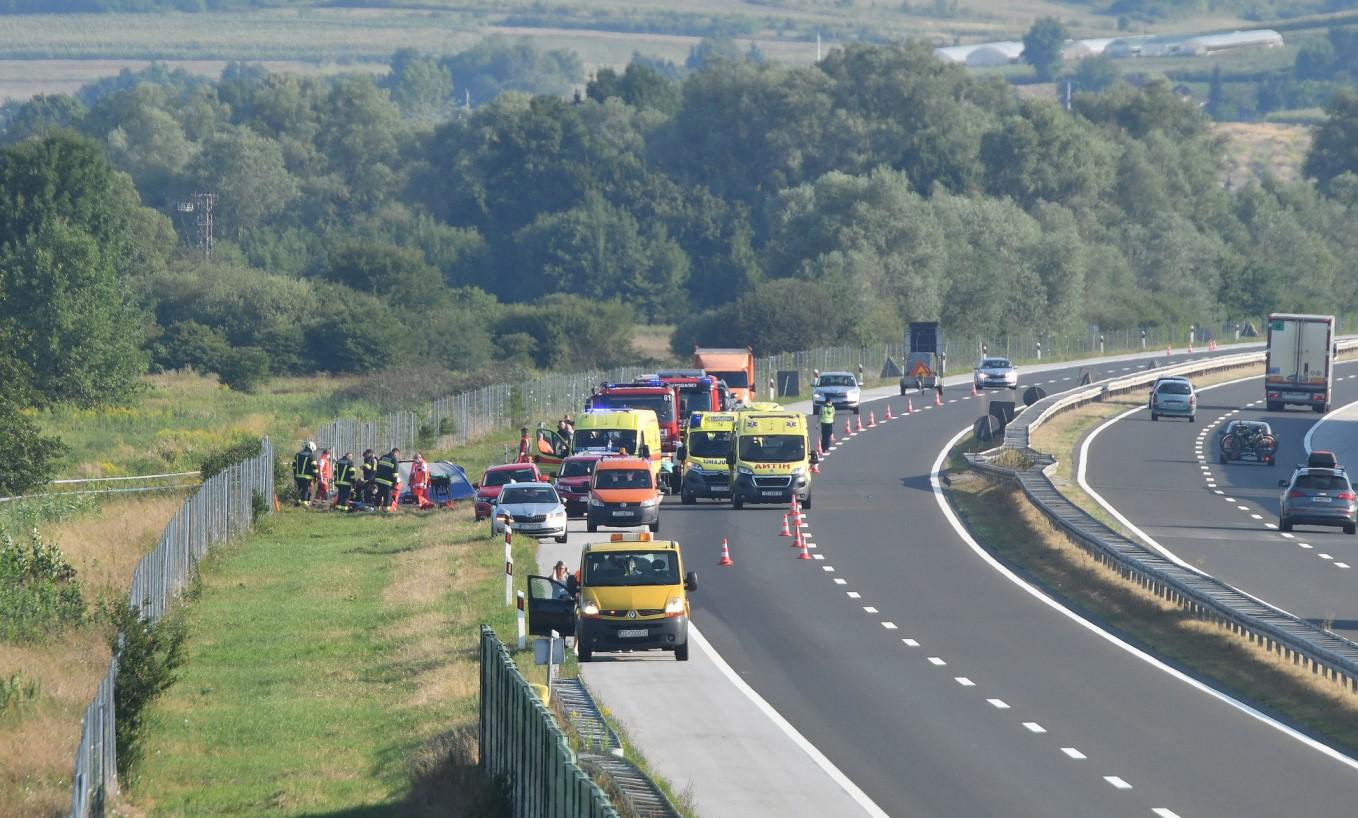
[(1299, 368)]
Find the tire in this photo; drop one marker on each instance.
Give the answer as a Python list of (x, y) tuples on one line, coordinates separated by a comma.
[(1351, 528), (737, 502), (655, 527), (591, 526), (855, 410), (1284, 524), (583, 654), (807, 502), (1274, 406), (1192, 418), (562, 539), (1154, 416), (681, 652), (687, 498), (1320, 410), (902, 391)]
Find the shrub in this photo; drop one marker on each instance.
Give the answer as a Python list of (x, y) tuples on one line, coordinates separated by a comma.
[(244, 369), (148, 654), (30, 457), (39, 592), (220, 460)]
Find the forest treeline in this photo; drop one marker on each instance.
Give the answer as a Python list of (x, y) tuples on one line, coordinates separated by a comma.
[(366, 222)]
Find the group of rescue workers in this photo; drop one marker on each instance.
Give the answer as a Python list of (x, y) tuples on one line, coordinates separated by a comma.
[(371, 484)]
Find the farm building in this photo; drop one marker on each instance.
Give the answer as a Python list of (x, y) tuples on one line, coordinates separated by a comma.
[(1001, 53), (1214, 43), (1082, 49), (956, 53), (1145, 46)]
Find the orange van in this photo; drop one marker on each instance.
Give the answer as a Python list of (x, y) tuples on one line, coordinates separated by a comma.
[(623, 492)]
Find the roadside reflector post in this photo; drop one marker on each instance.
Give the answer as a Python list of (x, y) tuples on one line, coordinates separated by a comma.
[(523, 632), (772, 393), (509, 568)]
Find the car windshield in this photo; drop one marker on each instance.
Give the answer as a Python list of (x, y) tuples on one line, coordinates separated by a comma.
[(709, 444), (1175, 388), (613, 440), (836, 380), (500, 478), (773, 448), (1322, 482), (996, 363), (662, 405), (694, 398), (739, 379), (577, 468), (622, 479), (631, 568), (528, 494)]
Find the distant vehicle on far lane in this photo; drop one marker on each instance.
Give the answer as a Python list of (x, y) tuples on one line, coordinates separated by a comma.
[(995, 372)]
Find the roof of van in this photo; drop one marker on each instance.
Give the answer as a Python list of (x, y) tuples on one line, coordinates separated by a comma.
[(620, 462), (631, 545)]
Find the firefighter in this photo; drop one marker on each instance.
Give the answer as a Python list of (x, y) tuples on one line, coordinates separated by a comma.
[(827, 424), (345, 478), (304, 471), (324, 475), (386, 477), (369, 474), (419, 482)]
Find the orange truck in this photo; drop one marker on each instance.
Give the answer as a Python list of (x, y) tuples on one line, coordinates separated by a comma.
[(733, 366)]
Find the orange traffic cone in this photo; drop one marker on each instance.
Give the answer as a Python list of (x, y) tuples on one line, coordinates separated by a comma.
[(815, 468), (938, 398), (797, 539), (973, 389), (725, 554), (909, 407), (848, 430), (859, 418), (872, 419), (803, 554), (888, 413), (785, 532), (1169, 350), (1190, 347)]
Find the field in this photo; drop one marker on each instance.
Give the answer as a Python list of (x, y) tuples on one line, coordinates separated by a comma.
[(1258, 149)]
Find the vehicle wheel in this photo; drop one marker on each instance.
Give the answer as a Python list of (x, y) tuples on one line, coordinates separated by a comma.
[(1224, 459), (902, 390), (1320, 410), (562, 538), (1274, 406), (737, 502), (1284, 524), (591, 526), (687, 498), (1192, 418), (655, 527), (681, 652), (1351, 528), (583, 654), (1154, 416), (807, 502), (855, 410)]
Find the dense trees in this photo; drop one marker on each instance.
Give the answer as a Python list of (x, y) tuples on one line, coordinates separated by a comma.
[(1042, 46)]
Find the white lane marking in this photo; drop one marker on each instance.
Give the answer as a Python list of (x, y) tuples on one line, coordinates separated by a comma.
[(1243, 508), (1162, 812), (839, 581), (891, 626), (1117, 782), (1034, 727), (1073, 753), (850, 789), (1325, 556), (817, 556), (854, 595), (937, 487), (1341, 565), (827, 568), (1230, 499), (1218, 491), (869, 609), (936, 661), (910, 643), (964, 681), (1257, 516), (1273, 526), (998, 704), (1304, 544)]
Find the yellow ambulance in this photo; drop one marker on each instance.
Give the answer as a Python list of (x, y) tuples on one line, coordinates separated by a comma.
[(770, 458)]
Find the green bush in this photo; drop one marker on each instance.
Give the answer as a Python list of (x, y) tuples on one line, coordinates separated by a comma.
[(39, 592), (29, 456), (220, 460), (244, 369), (14, 691), (148, 654)]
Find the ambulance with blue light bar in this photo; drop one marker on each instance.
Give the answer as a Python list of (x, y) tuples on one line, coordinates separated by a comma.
[(770, 458), (619, 431), (702, 456)]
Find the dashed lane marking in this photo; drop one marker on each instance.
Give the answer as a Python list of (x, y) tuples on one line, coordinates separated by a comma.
[(869, 609), (1034, 727), (910, 643), (839, 581), (964, 681), (936, 661), (1074, 753), (891, 626), (1117, 782), (998, 704), (854, 595)]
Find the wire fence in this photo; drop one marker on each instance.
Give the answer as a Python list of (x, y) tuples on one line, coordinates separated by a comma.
[(222, 508), (398, 430), (522, 745)]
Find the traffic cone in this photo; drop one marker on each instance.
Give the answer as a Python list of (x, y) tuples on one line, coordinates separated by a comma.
[(1169, 350), (872, 419), (804, 554), (848, 430), (815, 468), (938, 398), (888, 413), (859, 418), (1190, 347), (725, 554), (973, 389), (785, 532), (796, 539), (909, 406)]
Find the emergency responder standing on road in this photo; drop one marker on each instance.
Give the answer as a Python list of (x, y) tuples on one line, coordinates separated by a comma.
[(345, 478), (368, 495), (827, 424), (419, 482), (304, 471), (387, 475)]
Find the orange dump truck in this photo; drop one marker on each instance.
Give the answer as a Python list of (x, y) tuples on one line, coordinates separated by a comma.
[(734, 366)]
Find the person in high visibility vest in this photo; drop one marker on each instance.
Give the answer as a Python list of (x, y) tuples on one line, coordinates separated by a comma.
[(304, 471), (419, 482), (827, 424), (345, 477), (523, 445), (386, 477), (324, 473)]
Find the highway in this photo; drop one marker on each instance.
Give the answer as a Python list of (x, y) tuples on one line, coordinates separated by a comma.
[(1222, 519), (932, 681)]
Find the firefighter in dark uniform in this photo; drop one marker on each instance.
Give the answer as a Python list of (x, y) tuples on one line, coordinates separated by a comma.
[(388, 472), (345, 478), (304, 471), (368, 493)]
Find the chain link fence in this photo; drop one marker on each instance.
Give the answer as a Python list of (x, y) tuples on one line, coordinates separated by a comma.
[(399, 430), (522, 745), (222, 508)]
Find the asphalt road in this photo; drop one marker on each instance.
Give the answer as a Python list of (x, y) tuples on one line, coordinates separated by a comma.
[(942, 688), (1223, 519)]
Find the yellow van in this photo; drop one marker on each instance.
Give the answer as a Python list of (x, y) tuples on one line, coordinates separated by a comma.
[(702, 455), (632, 594), (614, 431), (770, 458)]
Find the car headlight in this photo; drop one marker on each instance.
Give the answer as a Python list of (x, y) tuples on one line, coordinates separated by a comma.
[(818, 396), (589, 607), (797, 472), (745, 470), (557, 515), (675, 605), (654, 501), (596, 502)]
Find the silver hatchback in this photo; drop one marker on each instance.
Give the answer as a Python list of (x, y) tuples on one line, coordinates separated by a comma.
[(1174, 399)]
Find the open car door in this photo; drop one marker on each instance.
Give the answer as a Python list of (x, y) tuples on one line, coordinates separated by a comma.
[(550, 608), (549, 450)]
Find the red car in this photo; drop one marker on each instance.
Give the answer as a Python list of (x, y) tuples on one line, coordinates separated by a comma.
[(496, 477), (572, 483)]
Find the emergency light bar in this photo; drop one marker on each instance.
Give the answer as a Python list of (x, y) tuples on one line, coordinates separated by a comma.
[(641, 536)]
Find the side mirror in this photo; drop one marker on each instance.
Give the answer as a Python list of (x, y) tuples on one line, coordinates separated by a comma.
[(731, 459), (690, 581), (680, 453), (1282, 484)]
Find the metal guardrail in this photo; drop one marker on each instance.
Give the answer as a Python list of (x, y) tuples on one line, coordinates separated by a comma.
[(522, 745), (221, 508), (1301, 642)]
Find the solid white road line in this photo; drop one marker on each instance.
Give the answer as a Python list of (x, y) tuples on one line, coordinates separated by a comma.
[(850, 789)]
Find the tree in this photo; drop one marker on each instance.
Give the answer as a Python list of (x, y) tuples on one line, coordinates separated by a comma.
[(382, 269), (30, 457), (421, 87), (497, 65), (1095, 74), (247, 172), (40, 115), (710, 50), (1042, 47), (1334, 150)]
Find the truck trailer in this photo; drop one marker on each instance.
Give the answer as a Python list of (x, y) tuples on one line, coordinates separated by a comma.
[(1299, 367)]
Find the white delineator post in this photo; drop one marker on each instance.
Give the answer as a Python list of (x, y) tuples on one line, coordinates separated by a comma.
[(509, 566), (523, 632)]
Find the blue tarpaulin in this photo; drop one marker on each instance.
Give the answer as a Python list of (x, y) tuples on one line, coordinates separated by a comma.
[(447, 483)]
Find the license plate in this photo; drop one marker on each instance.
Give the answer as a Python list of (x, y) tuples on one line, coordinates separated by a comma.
[(720, 489), (624, 514), (1248, 456), (1295, 395), (632, 633), (772, 493), (1320, 499)]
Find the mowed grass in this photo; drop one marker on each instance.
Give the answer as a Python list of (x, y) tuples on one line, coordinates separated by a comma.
[(331, 668)]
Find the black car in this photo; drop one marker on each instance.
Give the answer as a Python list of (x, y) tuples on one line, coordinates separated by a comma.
[(1250, 441)]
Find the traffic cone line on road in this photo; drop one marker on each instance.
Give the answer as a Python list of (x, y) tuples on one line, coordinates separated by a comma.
[(872, 419), (725, 554), (848, 430), (796, 539), (909, 406), (785, 532), (888, 412), (859, 418), (803, 554)]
